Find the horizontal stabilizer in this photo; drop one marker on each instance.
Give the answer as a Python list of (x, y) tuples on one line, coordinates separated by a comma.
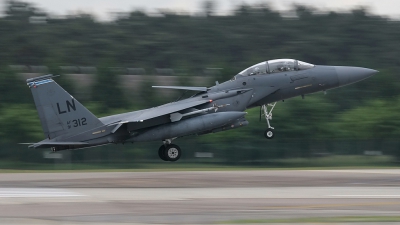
[(183, 88), (45, 144)]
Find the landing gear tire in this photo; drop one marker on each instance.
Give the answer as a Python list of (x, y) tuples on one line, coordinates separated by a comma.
[(172, 152), (269, 133), (161, 153)]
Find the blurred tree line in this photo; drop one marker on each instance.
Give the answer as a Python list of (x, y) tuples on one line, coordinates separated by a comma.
[(349, 120)]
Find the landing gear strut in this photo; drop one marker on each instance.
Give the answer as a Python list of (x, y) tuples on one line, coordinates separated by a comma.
[(269, 133), (169, 152)]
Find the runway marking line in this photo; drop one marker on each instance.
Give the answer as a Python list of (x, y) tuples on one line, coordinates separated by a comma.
[(36, 193), (317, 220), (331, 205), (366, 171), (366, 196)]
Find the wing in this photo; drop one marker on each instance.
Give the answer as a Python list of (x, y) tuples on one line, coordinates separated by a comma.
[(183, 88), (168, 109), (155, 116)]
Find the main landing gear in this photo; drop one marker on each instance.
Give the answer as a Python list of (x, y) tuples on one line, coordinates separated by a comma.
[(269, 133), (169, 152)]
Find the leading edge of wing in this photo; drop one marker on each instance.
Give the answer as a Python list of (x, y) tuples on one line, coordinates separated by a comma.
[(45, 144), (183, 88)]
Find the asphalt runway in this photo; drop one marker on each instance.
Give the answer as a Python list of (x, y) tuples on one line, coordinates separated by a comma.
[(197, 197)]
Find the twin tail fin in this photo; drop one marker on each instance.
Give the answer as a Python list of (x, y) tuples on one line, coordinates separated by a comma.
[(59, 112)]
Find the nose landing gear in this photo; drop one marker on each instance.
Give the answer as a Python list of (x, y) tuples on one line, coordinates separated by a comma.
[(169, 152), (269, 133)]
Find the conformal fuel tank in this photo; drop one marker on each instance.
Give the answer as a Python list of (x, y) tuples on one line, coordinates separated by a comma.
[(189, 126)]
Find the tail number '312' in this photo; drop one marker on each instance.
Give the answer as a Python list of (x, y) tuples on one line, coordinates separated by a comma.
[(77, 123)]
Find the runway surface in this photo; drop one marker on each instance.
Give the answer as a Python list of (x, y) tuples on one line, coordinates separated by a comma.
[(195, 197)]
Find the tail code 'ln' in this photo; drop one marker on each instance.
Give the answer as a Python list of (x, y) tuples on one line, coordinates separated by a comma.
[(59, 112)]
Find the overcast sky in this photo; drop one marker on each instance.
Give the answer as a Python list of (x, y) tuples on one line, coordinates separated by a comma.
[(102, 8)]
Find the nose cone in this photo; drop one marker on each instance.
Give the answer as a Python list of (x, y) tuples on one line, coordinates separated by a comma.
[(349, 75)]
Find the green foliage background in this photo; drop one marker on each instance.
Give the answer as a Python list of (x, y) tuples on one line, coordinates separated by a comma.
[(349, 120)]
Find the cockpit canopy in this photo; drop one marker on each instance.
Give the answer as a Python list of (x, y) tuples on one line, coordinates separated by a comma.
[(276, 66)]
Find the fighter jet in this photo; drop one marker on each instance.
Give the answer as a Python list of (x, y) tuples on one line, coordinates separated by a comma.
[(67, 124)]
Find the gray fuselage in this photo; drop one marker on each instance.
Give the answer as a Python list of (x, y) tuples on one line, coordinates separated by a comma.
[(218, 108)]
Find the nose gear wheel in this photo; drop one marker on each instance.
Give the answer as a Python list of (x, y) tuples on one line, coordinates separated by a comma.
[(269, 133)]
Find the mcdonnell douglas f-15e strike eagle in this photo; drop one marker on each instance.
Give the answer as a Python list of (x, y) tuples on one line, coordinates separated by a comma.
[(67, 124)]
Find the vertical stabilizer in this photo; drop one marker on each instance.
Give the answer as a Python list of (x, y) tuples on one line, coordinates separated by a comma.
[(59, 112)]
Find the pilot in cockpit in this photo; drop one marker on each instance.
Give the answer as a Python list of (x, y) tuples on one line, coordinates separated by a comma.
[(275, 66)]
